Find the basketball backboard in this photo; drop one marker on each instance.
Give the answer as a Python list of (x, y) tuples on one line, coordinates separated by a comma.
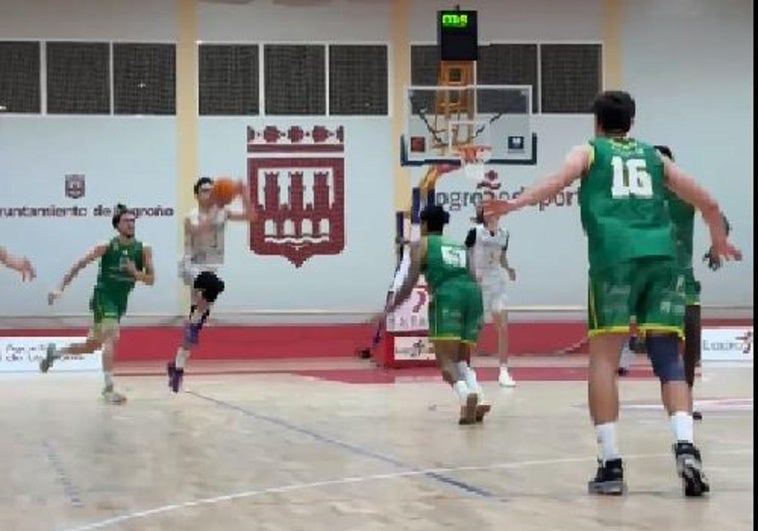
[(441, 118)]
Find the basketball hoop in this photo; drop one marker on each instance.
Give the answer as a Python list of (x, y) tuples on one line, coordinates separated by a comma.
[(473, 158)]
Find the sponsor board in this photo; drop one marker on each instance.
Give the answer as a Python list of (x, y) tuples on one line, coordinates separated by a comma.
[(23, 354)]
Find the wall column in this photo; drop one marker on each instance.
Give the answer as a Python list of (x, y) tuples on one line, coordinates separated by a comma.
[(186, 119), (401, 67), (613, 14)]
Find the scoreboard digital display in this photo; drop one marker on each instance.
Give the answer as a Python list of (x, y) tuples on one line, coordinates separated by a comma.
[(457, 35), (454, 20)]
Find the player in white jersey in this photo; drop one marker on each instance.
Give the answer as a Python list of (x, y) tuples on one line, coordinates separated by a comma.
[(204, 231), (488, 246)]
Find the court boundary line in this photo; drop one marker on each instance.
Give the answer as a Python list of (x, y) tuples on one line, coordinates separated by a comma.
[(352, 448), (62, 477), (134, 515)]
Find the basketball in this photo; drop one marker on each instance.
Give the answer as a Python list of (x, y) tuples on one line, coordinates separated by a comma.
[(225, 190)]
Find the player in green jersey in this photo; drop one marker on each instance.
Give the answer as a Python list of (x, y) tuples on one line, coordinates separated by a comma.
[(124, 261), (683, 217), (633, 271), (455, 308), (17, 263)]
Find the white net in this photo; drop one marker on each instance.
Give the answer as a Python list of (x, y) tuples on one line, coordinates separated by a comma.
[(473, 160)]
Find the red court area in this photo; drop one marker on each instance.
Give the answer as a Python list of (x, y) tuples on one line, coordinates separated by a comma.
[(542, 351)]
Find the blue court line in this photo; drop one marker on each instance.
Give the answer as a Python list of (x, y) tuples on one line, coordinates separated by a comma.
[(70, 490), (358, 450)]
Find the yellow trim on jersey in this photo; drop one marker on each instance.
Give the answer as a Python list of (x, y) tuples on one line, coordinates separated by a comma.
[(624, 329), (592, 310), (444, 338), (652, 327), (592, 157), (469, 342)]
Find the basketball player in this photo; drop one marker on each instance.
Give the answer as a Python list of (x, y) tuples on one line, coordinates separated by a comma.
[(123, 261), (628, 354), (683, 217), (633, 271), (204, 231), (455, 308), (19, 264), (488, 252)]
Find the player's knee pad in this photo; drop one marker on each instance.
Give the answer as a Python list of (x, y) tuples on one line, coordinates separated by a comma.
[(191, 336), (209, 285), (663, 351), (192, 327)]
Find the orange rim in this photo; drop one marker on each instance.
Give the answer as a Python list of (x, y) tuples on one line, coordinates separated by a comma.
[(471, 153)]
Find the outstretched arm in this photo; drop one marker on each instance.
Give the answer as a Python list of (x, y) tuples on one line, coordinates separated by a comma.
[(713, 259), (575, 166), (17, 263), (689, 190), (418, 250), (247, 214), (80, 264)]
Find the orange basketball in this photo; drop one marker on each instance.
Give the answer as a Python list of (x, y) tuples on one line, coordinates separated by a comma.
[(225, 190)]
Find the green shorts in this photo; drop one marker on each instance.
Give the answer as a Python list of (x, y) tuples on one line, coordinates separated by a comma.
[(107, 306), (455, 311), (691, 287), (652, 289)]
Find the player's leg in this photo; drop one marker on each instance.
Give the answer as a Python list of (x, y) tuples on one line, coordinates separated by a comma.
[(473, 320), (627, 355), (206, 288), (92, 343), (445, 332), (500, 317), (109, 330), (609, 294), (661, 317), (692, 345), (110, 309), (692, 334), (88, 346), (494, 303)]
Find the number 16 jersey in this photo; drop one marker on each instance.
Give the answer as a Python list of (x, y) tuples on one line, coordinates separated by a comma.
[(623, 203)]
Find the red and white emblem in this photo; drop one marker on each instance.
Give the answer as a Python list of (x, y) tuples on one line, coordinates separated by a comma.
[(298, 191), (75, 186)]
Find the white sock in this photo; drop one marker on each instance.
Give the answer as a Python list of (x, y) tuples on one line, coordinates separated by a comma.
[(182, 355), (467, 374), (473, 383), (606, 439), (682, 426), (462, 390), (108, 378)]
